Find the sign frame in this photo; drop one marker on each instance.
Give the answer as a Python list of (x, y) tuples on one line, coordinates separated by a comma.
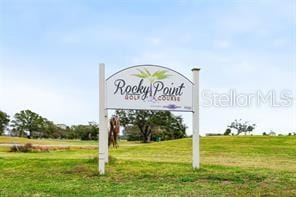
[(103, 113)]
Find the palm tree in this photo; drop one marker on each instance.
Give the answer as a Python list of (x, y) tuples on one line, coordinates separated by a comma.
[(158, 75)]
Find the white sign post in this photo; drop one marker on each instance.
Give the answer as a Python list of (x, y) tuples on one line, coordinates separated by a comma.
[(102, 124), (195, 119), (148, 87)]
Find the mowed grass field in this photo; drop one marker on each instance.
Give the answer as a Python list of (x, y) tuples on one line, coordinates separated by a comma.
[(230, 166)]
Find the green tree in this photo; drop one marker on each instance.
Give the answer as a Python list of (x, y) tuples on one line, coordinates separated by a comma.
[(27, 120), (162, 123), (143, 120), (169, 126), (71, 133), (85, 132), (50, 130), (132, 133), (4, 120)]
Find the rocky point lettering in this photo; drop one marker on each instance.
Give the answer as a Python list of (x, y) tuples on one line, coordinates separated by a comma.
[(157, 88)]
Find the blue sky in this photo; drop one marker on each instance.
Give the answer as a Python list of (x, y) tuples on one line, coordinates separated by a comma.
[(50, 50)]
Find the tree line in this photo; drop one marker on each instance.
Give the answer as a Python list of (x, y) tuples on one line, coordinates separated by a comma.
[(27, 123), (137, 125)]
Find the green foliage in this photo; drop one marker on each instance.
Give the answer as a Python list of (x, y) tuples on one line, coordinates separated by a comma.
[(141, 119), (50, 130), (170, 126), (152, 124), (4, 120), (39, 127), (132, 133), (227, 132), (84, 132), (27, 120)]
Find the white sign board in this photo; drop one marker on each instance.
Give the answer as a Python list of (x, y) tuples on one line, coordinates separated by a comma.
[(149, 87)]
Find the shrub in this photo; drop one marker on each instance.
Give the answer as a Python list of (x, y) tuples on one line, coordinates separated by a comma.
[(22, 148), (28, 147), (227, 132), (14, 148)]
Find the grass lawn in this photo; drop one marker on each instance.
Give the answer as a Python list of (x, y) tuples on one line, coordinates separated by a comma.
[(239, 166)]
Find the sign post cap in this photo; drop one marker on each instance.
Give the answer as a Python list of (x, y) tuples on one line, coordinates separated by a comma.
[(195, 69)]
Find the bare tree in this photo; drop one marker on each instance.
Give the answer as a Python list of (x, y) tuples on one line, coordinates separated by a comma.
[(242, 126)]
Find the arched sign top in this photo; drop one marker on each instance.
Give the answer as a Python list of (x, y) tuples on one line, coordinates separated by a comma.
[(150, 65), (149, 87)]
